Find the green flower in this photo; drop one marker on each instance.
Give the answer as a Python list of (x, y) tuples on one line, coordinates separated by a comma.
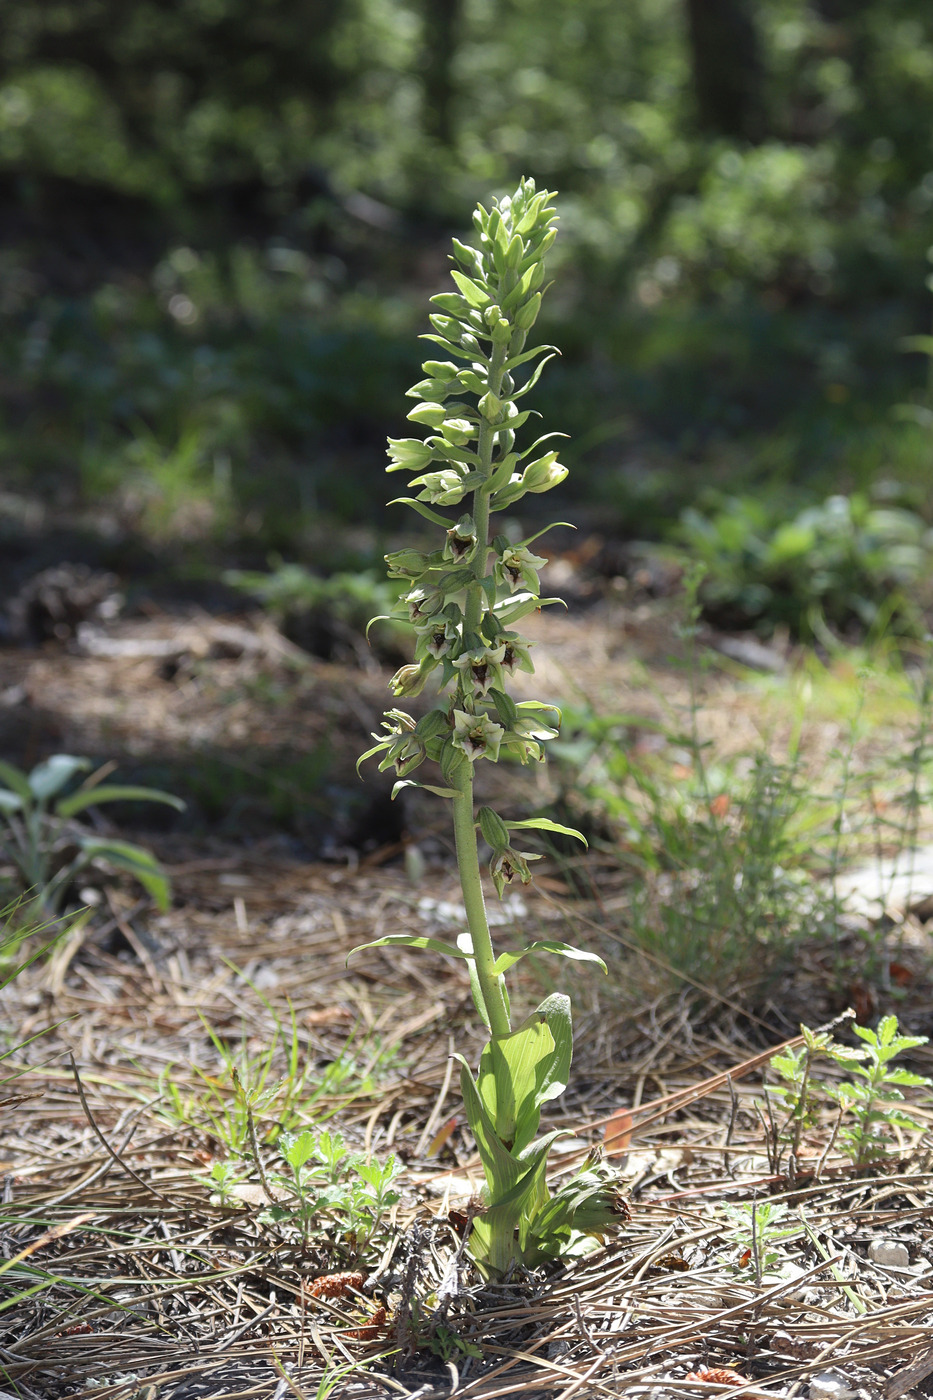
[(401, 747), (477, 735), (444, 488), (481, 669), (506, 863), (409, 454), (438, 639), (461, 540), (424, 603), (525, 737), (518, 567), (516, 657)]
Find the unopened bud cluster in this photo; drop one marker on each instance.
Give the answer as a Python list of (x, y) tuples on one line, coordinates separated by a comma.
[(465, 599)]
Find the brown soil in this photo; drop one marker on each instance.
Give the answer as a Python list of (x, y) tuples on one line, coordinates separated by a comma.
[(124, 1277)]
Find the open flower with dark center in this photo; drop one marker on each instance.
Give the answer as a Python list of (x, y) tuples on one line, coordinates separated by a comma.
[(438, 639), (424, 603), (518, 568), (481, 669), (516, 657), (477, 735), (461, 540)]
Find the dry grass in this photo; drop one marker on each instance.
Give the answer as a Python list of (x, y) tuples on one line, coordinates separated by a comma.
[(121, 1277)]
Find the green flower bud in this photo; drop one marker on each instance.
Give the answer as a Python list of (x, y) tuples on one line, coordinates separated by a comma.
[(440, 369), (446, 326), (406, 563), (494, 830), (515, 252), (433, 724), (431, 390), (409, 680), (490, 407), (467, 257), (458, 431), (501, 332), (431, 414), (526, 315), (543, 474)]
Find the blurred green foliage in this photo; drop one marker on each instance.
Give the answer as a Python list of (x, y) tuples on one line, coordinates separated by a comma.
[(220, 219), (844, 565)]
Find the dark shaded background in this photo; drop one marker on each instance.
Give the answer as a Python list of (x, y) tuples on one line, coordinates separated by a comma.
[(220, 221)]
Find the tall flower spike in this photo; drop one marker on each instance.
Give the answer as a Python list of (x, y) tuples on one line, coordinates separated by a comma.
[(462, 601)]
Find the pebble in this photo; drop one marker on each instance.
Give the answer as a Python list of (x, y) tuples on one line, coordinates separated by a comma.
[(889, 1252), (829, 1385)]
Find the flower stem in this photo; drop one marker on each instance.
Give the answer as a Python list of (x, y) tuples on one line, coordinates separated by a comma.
[(475, 904)]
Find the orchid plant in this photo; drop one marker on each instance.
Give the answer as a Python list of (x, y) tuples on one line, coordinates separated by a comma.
[(464, 602)]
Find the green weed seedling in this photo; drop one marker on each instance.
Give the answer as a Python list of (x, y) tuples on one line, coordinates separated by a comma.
[(866, 1098), (325, 1178), (247, 1103), (758, 1226), (37, 831), (465, 601)]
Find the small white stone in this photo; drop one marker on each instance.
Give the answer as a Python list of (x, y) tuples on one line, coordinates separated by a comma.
[(829, 1385), (889, 1252)]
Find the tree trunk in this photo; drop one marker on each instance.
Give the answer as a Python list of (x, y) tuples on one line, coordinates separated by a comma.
[(441, 34), (728, 74)]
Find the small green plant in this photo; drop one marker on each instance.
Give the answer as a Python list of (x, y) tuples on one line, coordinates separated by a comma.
[(464, 602), (324, 1178), (246, 1102), (49, 849), (801, 1094), (867, 1097), (870, 1096), (757, 1227)]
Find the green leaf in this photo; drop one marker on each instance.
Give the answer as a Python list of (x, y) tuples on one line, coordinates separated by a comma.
[(517, 360), (410, 940), (50, 777), (90, 797), (10, 801), (474, 294), (545, 824), (501, 1168), (17, 780), (138, 861), (510, 1070), (429, 514), (505, 961), (533, 379), (426, 787)]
